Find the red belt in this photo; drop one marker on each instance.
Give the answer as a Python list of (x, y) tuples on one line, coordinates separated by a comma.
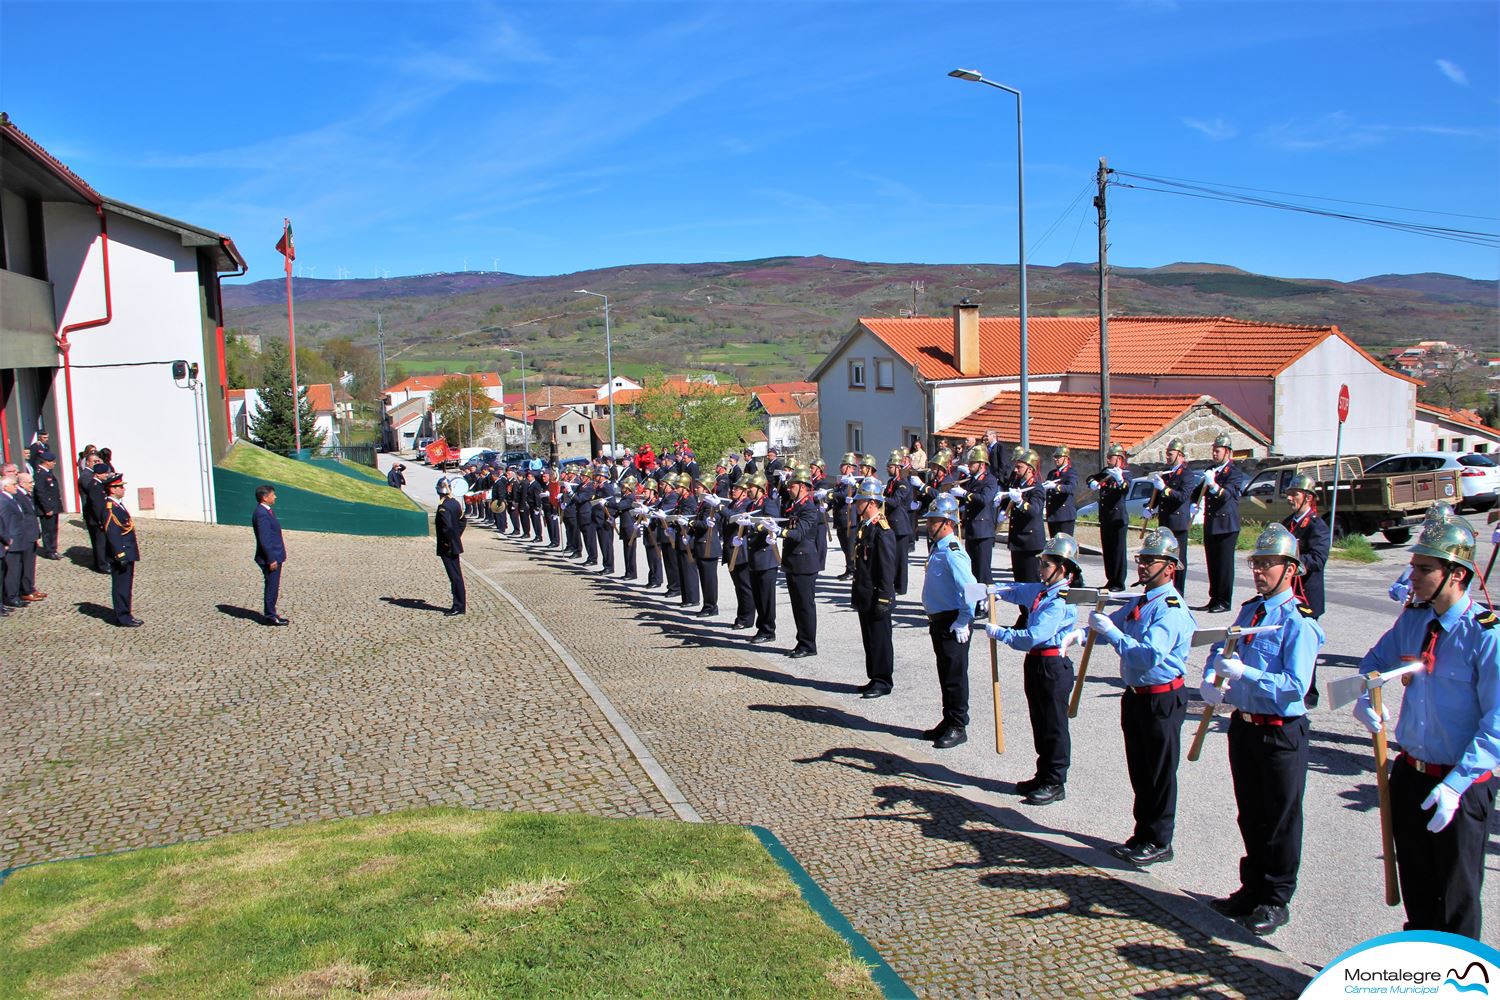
[(1046, 651), (1266, 720), (1438, 771), (1171, 685)]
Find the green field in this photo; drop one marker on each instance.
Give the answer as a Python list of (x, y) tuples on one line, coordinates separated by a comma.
[(440, 903), (258, 463)]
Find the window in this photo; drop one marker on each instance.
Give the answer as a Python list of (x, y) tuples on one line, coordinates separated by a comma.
[(1457, 444), (854, 435), (1479, 459), (856, 374), (885, 374)]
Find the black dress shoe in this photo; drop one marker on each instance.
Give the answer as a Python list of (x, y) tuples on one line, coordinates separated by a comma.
[(763, 637), (872, 691), (1028, 786), (706, 613), (1122, 851), (1045, 795), (950, 738), (934, 732), (1148, 854), (453, 612), (277, 620), (799, 653), (740, 625), (1265, 918), (129, 623), (1236, 904)]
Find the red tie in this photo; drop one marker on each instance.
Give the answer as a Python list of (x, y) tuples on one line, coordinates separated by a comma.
[(1429, 645), (1260, 612)]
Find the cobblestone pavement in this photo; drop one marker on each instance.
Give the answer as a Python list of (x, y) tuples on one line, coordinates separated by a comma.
[(957, 902), (205, 722)]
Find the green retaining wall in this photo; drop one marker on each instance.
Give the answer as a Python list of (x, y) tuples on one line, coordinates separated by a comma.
[(302, 510)]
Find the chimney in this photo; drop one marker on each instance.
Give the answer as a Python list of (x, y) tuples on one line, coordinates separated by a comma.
[(966, 337)]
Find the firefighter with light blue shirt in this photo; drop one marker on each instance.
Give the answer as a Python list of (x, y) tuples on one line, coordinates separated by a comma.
[(1442, 788), (1152, 634), (950, 578), (1047, 672), (1269, 675)]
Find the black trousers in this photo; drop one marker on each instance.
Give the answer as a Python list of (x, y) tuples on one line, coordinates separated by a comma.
[(604, 536), (744, 596), (670, 565), (653, 565), (981, 552), (1441, 873), (536, 525), (708, 583), (763, 591), (687, 576), (271, 592), (1182, 546), (100, 546), (880, 655), (903, 556), (1269, 768), (1048, 683), (1024, 567), (523, 523), (842, 534), (628, 556), (49, 534), (1055, 528), (801, 588), (1218, 552), (28, 571), (1153, 744), (455, 572), (552, 541), (952, 668), (121, 588), (590, 542), (1113, 538), (10, 588), (570, 533), (500, 521)]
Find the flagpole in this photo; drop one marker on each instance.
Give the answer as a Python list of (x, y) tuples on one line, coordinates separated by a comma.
[(291, 336)]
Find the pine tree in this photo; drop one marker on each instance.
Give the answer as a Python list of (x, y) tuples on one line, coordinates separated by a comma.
[(271, 427)]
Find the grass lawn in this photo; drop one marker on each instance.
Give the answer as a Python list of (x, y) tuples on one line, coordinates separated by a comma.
[(257, 462), (1354, 548), (373, 475), (437, 903)]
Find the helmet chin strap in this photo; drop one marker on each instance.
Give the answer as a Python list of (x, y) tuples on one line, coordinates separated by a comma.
[(1152, 580)]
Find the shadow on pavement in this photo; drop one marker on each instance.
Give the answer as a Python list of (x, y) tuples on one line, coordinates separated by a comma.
[(878, 762), (244, 614), (80, 555), (837, 718), (412, 603), (98, 611), (771, 676)]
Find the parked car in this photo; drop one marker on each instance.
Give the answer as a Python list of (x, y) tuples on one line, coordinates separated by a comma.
[(478, 456), (1478, 474), (1135, 502), (573, 464)]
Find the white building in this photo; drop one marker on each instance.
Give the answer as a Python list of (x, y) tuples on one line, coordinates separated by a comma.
[(423, 386), (332, 409), (98, 299), (620, 383), (1440, 429)]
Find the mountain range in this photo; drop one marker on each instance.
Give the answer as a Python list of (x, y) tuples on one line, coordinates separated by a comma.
[(774, 318)]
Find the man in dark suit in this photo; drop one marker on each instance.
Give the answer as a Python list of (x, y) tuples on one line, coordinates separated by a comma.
[(450, 545), (91, 486), (270, 550), (30, 539), (977, 502), (120, 545), (1112, 483), (873, 592), (38, 451), (47, 496), (1219, 492), (12, 540)]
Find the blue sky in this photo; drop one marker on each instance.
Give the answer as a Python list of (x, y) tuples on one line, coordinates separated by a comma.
[(541, 138)]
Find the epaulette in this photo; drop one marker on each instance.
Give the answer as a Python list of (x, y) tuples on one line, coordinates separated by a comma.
[(1252, 600), (1306, 609), (1487, 619), (1063, 592), (1174, 602)]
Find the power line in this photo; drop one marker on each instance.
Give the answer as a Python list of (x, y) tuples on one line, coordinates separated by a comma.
[(1059, 220)]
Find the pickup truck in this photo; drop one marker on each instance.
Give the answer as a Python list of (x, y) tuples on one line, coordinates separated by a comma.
[(439, 455), (1388, 503)]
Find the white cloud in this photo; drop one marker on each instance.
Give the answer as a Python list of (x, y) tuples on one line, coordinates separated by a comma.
[(1217, 129), (1341, 130), (1454, 72)]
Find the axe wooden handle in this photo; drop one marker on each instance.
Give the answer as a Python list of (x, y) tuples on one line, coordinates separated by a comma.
[(1383, 784), (1208, 710), (1083, 664), (995, 685), (734, 556), (1490, 566)]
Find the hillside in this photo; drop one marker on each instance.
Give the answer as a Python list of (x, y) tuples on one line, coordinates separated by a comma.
[(774, 318)]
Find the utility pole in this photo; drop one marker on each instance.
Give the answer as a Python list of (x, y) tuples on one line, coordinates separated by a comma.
[(1099, 203), (380, 407)]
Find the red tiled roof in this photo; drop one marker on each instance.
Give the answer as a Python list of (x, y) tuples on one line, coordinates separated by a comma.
[(554, 413), (778, 404), (427, 383), (1469, 417), (1072, 418), (320, 397), (926, 343), (236, 394), (787, 387)]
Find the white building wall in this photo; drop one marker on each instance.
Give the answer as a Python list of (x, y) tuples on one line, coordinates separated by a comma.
[(785, 432), (1433, 434), (1381, 406), (882, 414), (156, 430), (954, 402)]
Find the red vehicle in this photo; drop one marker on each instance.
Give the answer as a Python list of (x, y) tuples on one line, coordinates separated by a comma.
[(440, 456)]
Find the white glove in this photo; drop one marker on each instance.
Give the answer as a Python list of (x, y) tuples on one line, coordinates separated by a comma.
[(1495, 537), (1000, 498), (736, 541), (958, 491), (848, 481), (916, 505), (743, 521), (1210, 692), (1049, 485), (1117, 476), (820, 494), (1400, 592), (1147, 513), (1104, 625), (1193, 512), (1209, 479), (960, 634), (773, 532), (1443, 801), (1158, 481), (1231, 667), (995, 631), (1073, 638), (712, 499), (915, 481), (1015, 495), (1365, 713), (1001, 590)]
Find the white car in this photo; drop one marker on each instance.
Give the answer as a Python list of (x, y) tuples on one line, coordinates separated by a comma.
[(1135, 502), (1478, 474)]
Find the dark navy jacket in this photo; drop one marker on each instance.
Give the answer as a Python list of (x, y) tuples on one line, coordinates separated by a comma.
[(1221, 509), (1112, 508), (1061, 505), (269, 546)]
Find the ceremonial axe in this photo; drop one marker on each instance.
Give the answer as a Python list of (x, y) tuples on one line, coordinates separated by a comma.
[(1231, 637), (1098, 598)]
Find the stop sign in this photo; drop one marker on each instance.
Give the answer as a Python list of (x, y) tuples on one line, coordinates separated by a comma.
[(1343, 403)]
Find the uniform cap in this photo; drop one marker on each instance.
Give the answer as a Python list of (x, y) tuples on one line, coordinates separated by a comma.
[(1449, 540)]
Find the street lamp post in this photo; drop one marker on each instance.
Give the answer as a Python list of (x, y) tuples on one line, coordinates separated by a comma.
[(609, 367), (525, 441), (975, 76)]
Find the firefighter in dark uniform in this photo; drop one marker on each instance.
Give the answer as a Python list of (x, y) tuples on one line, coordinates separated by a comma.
[(48, 498), (1153, 635), (734, 553), (1027, 507), (950, 612), (605, 493), (646, 525), (1061, 485), (623, 505), (977, 503), (573, 537), (121, 547), (536, 499), (840, 500), (1442, 785), (1112, 484), (900, 513), (1172, 501), (1047, 673), (764, 562), (1313, 541), (801, 558), (1269, 676), (1219, 492), (91, 485), (584, 500), (666, 533), (449, 529), (682, 542), (873, 593), (707, 545), (520, 500), (497, 503)]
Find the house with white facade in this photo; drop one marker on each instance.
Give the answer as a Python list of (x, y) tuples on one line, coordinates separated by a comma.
[(332, 410), (423, 386), (98, 302), (563, 432), (1441, 429)]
